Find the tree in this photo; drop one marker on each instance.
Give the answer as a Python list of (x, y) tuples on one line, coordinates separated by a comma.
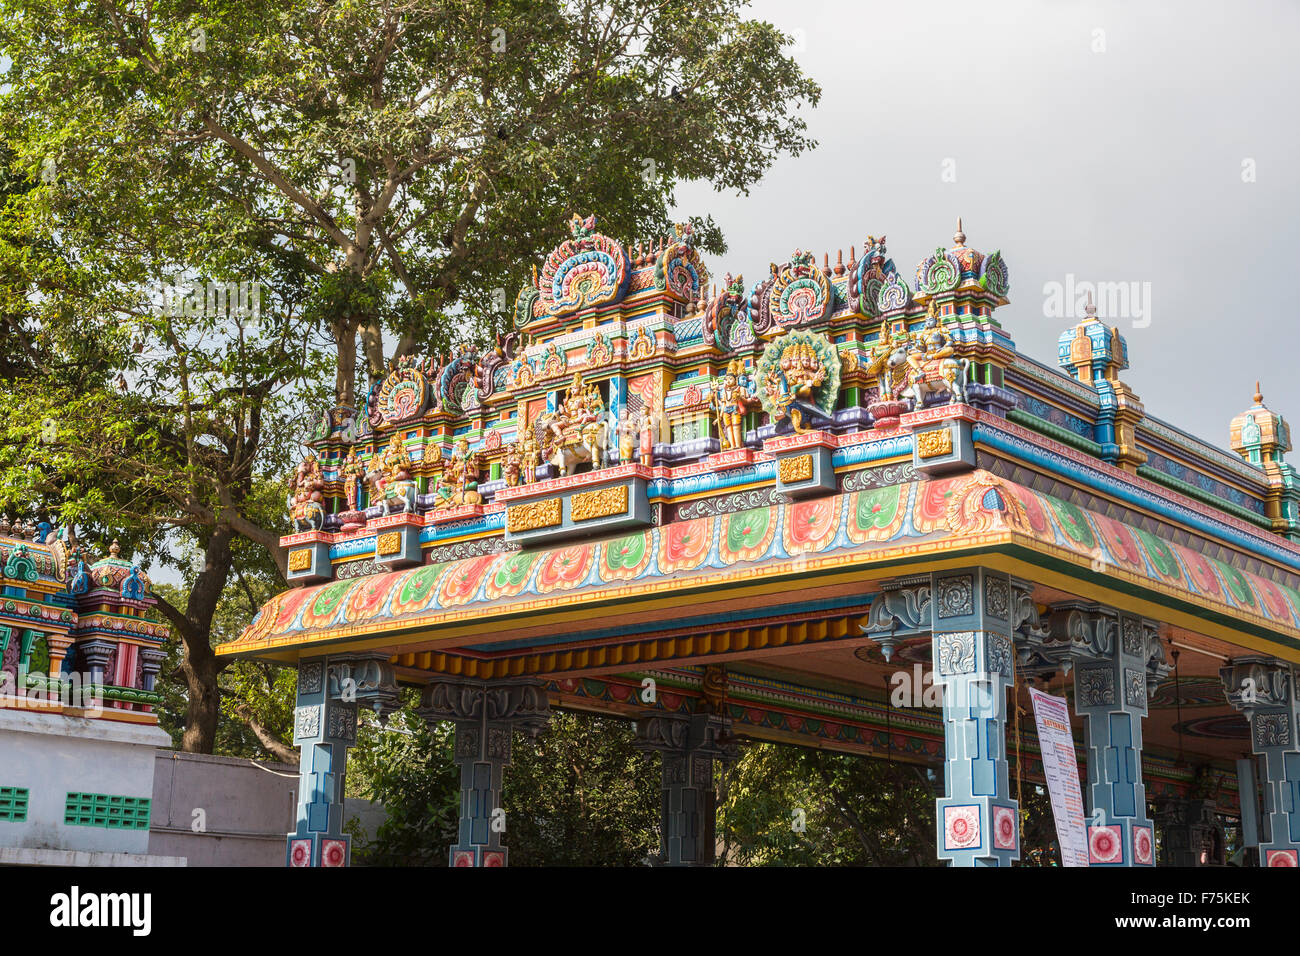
[(580, 795), (377, 168), (794, 806), (410, 156)]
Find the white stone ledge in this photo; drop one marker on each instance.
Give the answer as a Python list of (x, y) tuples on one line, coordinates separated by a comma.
[(24, 856)]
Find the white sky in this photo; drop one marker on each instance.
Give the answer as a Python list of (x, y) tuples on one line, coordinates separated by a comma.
[(1122, 165)]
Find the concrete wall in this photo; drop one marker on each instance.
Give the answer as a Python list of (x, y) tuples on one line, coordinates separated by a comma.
[(52, 755), (247, 809), (209, 811)]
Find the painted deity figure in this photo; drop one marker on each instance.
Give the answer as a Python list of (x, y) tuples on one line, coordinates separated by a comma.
[(354, 474), (580, 408), (530, 457), (730, 398), (458, 483), (879, 366), (391, 476), (931, 364), (629, 432), (575, 432), (306, 487), (647, 428), (798, 373), (512, 465)]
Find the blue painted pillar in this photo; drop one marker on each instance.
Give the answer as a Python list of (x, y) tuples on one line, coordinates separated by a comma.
[(323, 730), (617, 396), (485, 714), (1110, 693), (331, 693), (973, 616), (1265, 690), (973, 658)]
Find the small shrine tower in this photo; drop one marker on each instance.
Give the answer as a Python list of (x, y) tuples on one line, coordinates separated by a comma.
[(1262, 437), (80, 651)]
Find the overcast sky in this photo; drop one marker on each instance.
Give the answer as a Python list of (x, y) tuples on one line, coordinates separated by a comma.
[(1124, 165)]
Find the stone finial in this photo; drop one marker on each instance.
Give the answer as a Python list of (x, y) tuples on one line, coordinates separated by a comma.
[(1259, 396), (959, 238), (114, 549)]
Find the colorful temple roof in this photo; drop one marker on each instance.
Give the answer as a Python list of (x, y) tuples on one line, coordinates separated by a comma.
[(654, 471)]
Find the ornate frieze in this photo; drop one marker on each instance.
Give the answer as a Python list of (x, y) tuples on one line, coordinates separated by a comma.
[(1255, 682), (523, 703), (727, 504), (902, 609), (1272, 730), (309, 677), (306, 722), (1135, 687), (955, 595), (999, 655), (933, 443), (1095, 685), (997, 597)]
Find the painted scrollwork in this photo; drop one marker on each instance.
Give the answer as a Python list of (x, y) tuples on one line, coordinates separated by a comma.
[(955, 595), (956, 653)]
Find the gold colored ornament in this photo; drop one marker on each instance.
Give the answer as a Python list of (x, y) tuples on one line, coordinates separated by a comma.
[(300, 560), (600, 503), (795, 469), (536, 514), (389, 543), (932, 444)]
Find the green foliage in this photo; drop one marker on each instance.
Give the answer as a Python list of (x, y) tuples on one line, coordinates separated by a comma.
[(434, 147), (582, 796), (856, 811), (256, 690), (377, 169), (407, 767)]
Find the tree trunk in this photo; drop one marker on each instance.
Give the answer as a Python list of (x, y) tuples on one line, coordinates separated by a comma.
[(372, 342), (200, 664), (345, 338), (204, 708), (269, 741)]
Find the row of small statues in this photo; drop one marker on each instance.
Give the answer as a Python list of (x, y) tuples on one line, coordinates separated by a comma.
[(793, 380), (907, 366), (390, 479)]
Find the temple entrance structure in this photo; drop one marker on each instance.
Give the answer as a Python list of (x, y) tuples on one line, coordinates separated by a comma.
[(740, 513)]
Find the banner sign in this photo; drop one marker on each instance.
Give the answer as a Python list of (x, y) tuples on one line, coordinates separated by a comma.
[(1061, 767)]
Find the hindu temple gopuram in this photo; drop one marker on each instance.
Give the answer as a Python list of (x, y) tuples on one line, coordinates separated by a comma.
[(730, 511)]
